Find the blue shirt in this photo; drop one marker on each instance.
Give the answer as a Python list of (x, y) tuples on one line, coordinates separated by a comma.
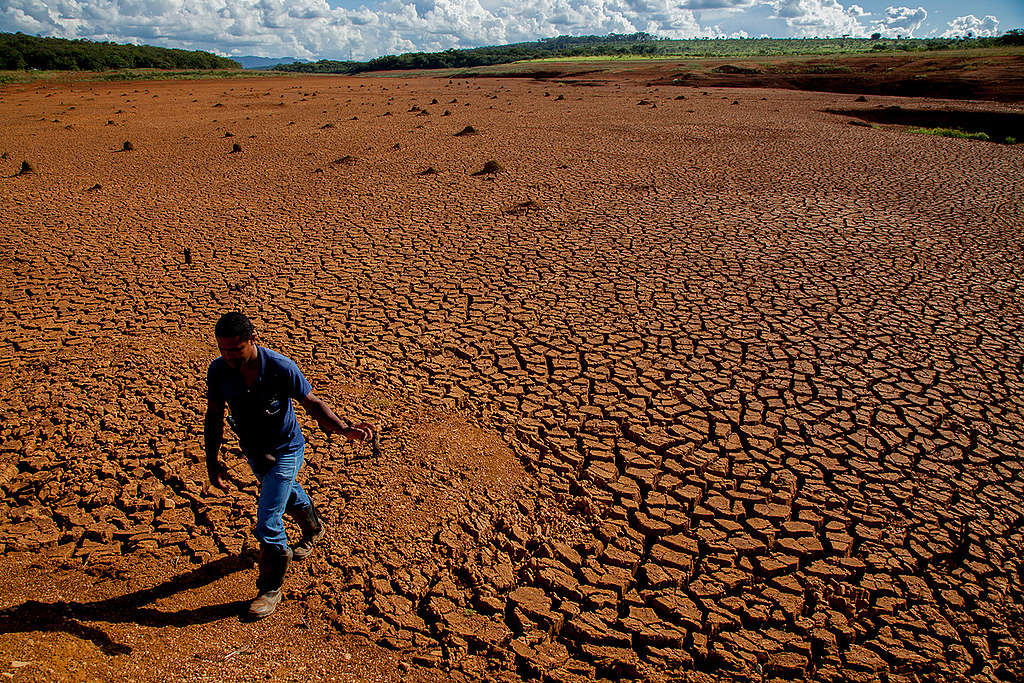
[(262, 415)]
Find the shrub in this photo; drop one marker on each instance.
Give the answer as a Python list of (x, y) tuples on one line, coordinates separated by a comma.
[(1012, 37), (952, 133)]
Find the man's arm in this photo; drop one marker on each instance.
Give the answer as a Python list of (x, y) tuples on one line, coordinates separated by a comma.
[(213, 434), (330, 423)]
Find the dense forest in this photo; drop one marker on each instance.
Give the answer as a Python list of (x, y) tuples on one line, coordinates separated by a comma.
[(19, 51), (644, 44)]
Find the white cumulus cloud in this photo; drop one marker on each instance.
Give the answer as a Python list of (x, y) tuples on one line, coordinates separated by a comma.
[(729, 5), (900, 21), (820, 17), (961, 26), (312, 28)]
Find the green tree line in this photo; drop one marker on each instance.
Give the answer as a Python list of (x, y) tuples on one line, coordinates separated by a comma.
[(19, 51), (643, 44)]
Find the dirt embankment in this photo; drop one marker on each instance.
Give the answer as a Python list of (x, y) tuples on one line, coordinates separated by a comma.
[(952, 75)]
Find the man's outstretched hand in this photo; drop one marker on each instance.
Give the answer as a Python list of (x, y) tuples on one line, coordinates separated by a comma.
[(361, 431), (331, 424)]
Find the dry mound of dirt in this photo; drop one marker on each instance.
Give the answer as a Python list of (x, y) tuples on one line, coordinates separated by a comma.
[(521, 208), (490, 168), (402, 530)]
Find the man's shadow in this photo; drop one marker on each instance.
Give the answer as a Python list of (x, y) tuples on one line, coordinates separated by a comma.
[(67, 616)]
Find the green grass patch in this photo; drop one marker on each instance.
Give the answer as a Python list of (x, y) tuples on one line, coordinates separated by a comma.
[(953, 133), (798, 67), (966, 135)]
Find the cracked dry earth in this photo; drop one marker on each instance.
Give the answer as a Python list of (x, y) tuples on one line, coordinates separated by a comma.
[(712, 386)]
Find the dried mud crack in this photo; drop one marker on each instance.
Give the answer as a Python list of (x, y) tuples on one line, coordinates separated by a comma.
[(691, 391)]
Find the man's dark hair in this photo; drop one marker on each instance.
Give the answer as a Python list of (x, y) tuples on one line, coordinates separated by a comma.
[(234, 324)]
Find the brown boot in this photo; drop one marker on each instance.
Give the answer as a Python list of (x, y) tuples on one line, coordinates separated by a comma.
[(312, 530), (273, 565)]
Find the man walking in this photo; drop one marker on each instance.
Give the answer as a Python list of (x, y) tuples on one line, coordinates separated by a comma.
[(258, 386)]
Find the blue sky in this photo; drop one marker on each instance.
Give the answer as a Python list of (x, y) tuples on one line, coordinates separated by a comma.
[(361, 29)]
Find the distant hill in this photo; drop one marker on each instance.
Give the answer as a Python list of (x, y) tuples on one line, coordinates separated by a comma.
[(642, 44), (19, 51), (251, 62)]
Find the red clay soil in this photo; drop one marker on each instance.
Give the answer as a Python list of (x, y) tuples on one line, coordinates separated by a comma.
[(972, 75), (711, 387), (995, 77)]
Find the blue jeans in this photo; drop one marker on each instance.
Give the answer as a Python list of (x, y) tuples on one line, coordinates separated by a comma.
[(279, 492)]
